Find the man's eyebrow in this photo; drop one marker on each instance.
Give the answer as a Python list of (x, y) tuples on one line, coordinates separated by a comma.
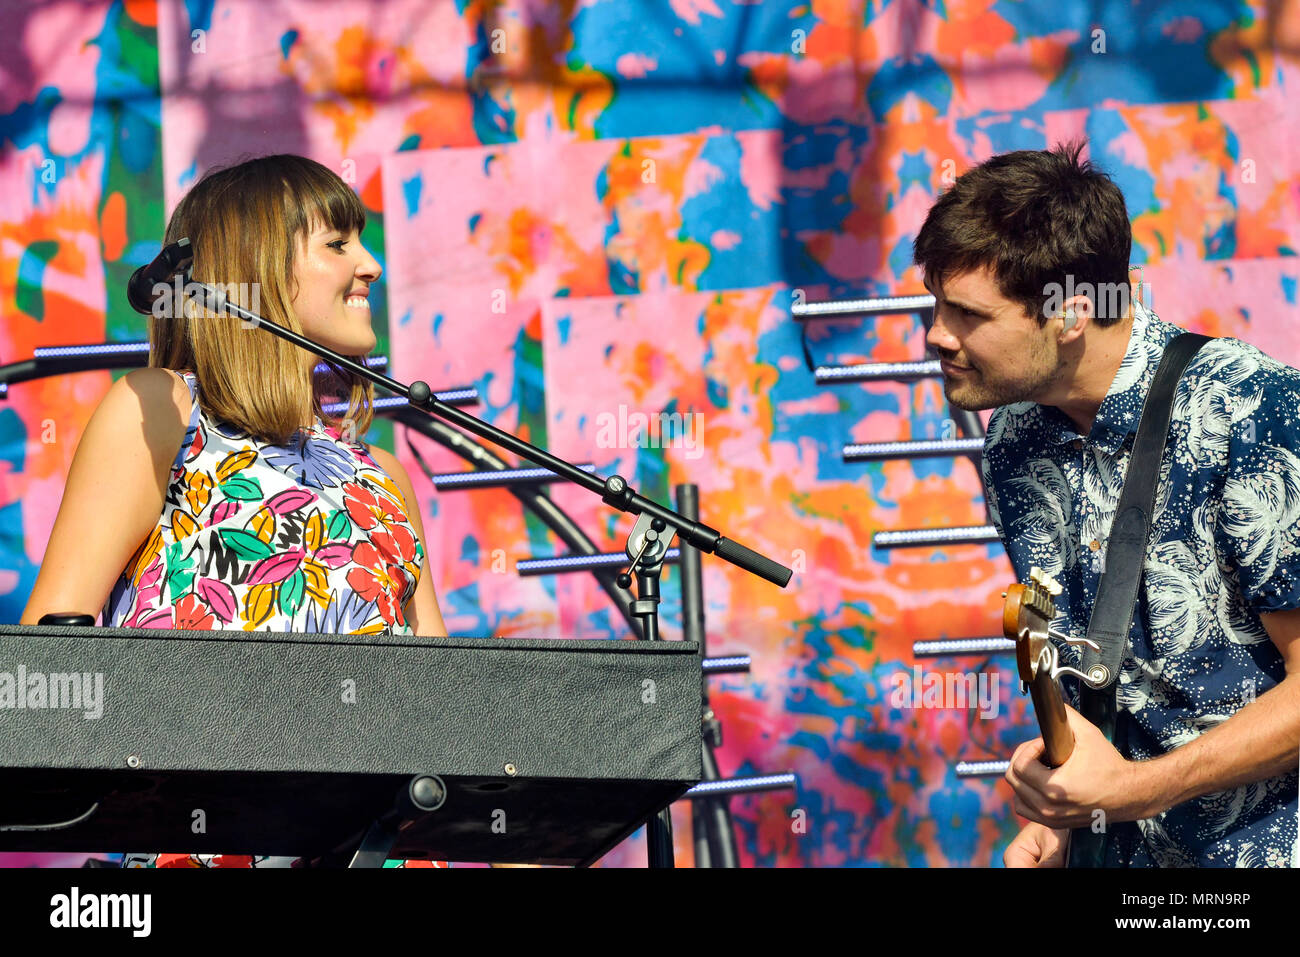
[(975, 310)]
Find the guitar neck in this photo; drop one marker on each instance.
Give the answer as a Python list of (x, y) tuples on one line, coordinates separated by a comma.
[(1058, 739)]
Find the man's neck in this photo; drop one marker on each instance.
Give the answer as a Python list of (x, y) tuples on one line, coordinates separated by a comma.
[(1091, 370)]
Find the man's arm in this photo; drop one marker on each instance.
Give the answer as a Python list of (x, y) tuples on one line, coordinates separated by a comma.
[(1260, 741)]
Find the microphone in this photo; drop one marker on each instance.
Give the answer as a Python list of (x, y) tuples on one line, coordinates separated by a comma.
[(140, 288)]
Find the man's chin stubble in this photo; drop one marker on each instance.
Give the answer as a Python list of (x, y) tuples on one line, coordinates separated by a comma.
[(978, 403)]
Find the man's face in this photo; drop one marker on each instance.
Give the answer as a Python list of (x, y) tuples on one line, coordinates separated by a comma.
[(997, 351)]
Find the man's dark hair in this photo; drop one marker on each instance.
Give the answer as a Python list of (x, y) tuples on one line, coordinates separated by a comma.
[(1035, 217)]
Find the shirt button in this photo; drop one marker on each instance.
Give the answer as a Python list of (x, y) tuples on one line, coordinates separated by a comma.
[(1078, 445), (1094, 545)]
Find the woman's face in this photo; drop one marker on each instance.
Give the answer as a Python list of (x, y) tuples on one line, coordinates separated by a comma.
[(332, 275)]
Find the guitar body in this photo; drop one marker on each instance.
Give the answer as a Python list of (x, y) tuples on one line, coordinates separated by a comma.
[(1086, 849)]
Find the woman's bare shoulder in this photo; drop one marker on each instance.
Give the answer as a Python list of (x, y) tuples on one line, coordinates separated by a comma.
[(156, 390), (153, 402), (386, 461)]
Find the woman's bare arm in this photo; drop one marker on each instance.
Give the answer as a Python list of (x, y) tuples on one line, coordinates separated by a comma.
[(114, 493)]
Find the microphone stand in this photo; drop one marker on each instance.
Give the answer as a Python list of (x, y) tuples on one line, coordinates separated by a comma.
[(646, 546)]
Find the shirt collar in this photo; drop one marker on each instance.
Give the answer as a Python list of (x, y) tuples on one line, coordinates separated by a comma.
[(1121, 409)]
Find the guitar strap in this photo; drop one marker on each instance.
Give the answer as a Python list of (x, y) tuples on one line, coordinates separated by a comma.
[(1117, 592)]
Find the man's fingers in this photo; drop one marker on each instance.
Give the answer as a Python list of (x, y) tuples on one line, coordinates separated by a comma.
[(1021, 758), (1027, 811), (1026, 774), (1033, 772), (1017, 855), (1029, 848), (1026, 754), (1054, 849)]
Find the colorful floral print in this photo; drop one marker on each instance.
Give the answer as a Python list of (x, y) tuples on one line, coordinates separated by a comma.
[(258, 537)]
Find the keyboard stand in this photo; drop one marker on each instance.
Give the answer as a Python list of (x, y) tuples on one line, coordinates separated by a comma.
[(376, 845), (423, 794)]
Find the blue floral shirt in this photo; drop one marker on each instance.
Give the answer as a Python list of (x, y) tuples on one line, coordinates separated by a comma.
[(1224, 547)]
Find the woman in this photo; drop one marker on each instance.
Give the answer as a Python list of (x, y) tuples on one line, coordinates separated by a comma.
[(210, 490)]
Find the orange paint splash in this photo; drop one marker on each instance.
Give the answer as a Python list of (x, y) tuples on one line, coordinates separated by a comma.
[(143, 12), (113, 227)]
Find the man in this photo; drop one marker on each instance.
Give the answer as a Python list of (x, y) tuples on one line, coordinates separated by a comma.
[(1027, 256)]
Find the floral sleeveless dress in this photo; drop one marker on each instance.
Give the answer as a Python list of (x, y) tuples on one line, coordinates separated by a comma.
[(261, 537)]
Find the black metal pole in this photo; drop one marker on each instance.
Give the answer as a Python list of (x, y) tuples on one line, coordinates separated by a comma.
[(659, 829), (711, 827), (716, 812)]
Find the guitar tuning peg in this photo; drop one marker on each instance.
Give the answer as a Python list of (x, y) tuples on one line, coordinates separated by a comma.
[(1048, 583)]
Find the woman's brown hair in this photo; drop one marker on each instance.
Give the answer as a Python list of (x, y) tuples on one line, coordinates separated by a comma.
[(244, 224)]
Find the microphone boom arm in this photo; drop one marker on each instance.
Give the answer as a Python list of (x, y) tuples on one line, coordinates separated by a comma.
[(613, 491)]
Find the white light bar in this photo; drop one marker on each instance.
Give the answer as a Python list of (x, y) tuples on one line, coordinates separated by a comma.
[(965, 535), (136, 348), (962, 646), (450, 396), (878, 372), (97, 349), (583, 563), (918, 449), (732, 664), (761, 782), (463, 481), (372, 362), (878, 306), (982, 769)]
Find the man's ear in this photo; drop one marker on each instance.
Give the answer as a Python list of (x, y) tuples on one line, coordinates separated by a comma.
[(1081, 305), (1076, 313)]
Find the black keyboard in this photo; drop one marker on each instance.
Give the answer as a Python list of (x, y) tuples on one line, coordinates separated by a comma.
[(544, 751)]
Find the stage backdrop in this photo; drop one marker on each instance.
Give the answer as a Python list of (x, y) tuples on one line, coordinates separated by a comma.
[(595, 211)]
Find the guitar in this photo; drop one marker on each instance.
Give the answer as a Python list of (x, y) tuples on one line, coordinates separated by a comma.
[(1027, 615), (1027, 620)]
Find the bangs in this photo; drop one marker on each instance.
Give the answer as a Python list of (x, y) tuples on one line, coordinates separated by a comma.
[(316, 196)]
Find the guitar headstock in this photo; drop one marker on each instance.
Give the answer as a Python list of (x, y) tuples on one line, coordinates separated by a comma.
[(1026, 618)]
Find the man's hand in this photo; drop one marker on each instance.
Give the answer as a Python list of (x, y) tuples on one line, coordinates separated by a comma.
[(1095, 777), (1037, 846)]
